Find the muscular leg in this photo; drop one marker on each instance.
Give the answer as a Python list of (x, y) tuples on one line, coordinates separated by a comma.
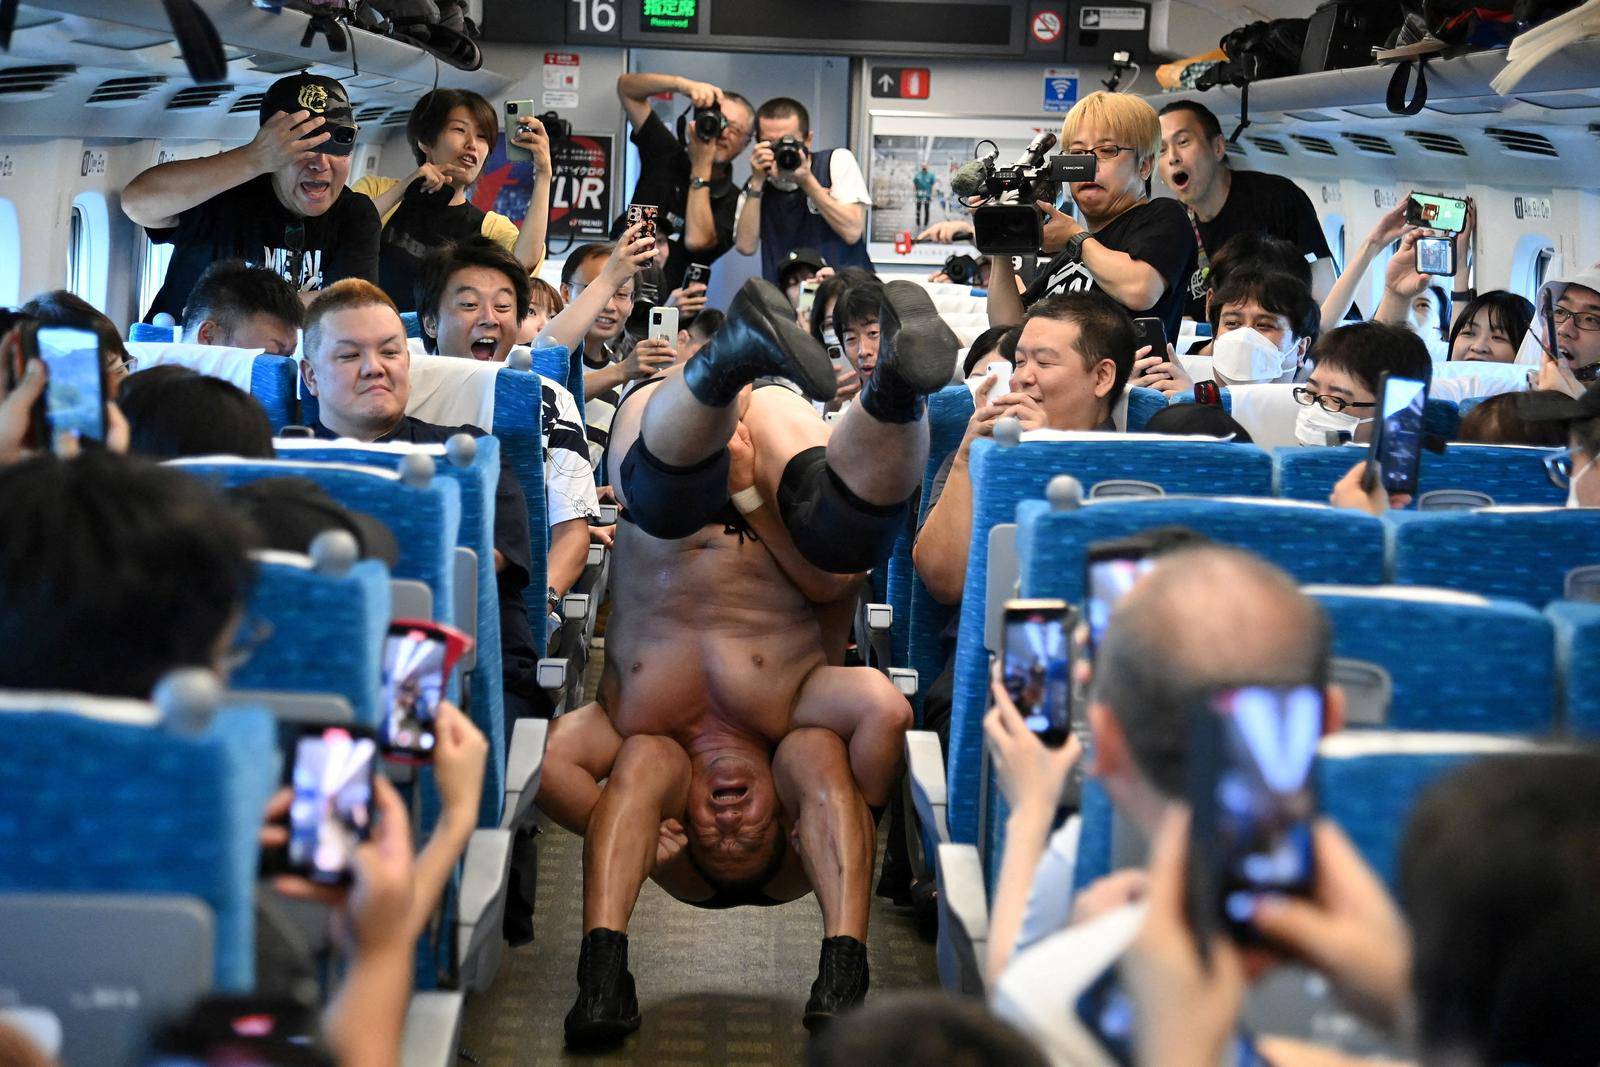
[(582, 747), (649, 782), (865, 710), (834, 828)]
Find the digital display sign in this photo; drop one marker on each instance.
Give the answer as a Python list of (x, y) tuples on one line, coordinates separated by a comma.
[(669, 16)]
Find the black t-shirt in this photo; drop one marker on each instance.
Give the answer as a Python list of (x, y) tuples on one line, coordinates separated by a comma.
[(420, 224), (664, 182), (1156, 232), (249, 222), (1268, 204)]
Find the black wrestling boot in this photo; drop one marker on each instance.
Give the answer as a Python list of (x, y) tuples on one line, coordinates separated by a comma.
[(607, 1009), (916, 355), (841, 983), (759, 339)]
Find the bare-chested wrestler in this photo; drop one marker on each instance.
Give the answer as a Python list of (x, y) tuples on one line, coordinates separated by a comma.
[(744, 520)]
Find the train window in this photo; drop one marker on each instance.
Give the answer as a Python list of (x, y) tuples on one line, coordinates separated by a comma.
[(10, 255), (1333, 232), (152, 271), (89, 248), (1533, 260)]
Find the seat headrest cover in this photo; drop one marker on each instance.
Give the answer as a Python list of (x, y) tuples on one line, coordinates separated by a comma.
[(1417, 594), (233, 365), (447, 391), (123, 710)]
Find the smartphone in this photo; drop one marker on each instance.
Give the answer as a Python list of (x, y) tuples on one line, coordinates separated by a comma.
[(331, 812), (515, 109), (1036, 665), (1436, 256), (664, 324), (418, 657), (1152, 332), (808, 295), (697, 274), (1106, 1012), (241, 1029), (1251, 753), (1208, 393), (1108, 574), (1001, 371), (74, 397), (1397, 436), (646, 213), (1437, 212)]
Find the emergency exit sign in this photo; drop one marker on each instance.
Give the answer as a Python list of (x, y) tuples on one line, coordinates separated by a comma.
[(669, 16), (900, 83)]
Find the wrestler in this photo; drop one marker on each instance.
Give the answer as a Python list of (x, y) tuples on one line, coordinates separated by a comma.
[(742, 514)]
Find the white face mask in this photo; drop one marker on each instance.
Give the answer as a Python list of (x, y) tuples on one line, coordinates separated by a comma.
[(1244, 355), (1572, 485), (1313, 425)]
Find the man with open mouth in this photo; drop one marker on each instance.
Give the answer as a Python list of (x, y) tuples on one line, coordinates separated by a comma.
[(1223, 201), (278, 202)]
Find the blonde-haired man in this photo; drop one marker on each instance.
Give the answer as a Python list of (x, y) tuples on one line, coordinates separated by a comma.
[(1138, 251)]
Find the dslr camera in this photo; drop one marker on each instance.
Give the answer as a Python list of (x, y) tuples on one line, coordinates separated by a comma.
[(557, 127), (709, 122), (1009, 224), (789, 152), (962, 269)]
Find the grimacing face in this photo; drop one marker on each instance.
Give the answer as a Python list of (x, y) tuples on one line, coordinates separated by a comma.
[(732, 815), (360, 372)]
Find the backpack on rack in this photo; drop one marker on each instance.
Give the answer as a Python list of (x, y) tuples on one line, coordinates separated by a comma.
[(1259, 50)]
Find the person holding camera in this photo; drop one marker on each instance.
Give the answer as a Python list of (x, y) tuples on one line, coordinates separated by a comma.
[(1138, 251), (690, 178), (451, 132), (797, 198), (279, 202)]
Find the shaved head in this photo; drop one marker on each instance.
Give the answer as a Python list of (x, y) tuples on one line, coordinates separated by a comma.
[(1202, 618)]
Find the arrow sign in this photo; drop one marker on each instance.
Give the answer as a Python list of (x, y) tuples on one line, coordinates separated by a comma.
[(900, 83), (887, 83)]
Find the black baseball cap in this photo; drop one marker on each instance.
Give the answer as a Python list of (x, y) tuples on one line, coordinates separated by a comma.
[(800, 257), (320, 96)]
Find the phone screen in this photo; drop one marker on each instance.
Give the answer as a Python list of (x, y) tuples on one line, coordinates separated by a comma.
[(1437, 212), (331, 812), (808, 295), (413, 684), (1037, 668), (1399, 445), (1436, 255), (72, 399), (1254, 800), (1107, 581)]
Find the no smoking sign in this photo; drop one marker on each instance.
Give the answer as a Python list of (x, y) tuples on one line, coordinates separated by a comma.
[(1046, 27)]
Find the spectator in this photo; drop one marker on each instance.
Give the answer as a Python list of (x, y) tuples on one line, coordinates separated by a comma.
[(1262, 327), (1497, 420), (922, 1028), (1224, 201), (688, 178), (702, 328), (173, 411), (470, 296), (1341, 393), (1491, 328), (598, 282), (451, 133), (284, 193), (544, 304), (990, 345), (1158, 652), (1341, 299), (828, 293), (1576, 333), (800, 265), (1139, 252), (855, 320), (1580, 419), (61, 308), (1072, 361), (821, 204), (240, 306), (357, 365), (1412, 300), (1251, 253)]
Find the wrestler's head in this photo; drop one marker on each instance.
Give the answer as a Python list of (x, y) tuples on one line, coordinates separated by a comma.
[(735, 835)]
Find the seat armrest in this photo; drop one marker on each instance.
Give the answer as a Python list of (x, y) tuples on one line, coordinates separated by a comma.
[(524, 762), (963, 919), (293, 707), (608, 515), (480, 908), (926, 774), (551, 673), (465, 594), (433, 1029), (597, 555), (574, 607), (905, 680)]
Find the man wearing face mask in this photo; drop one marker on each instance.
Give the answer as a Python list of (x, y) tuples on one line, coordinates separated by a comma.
[(279, 201), (1338, 402), (1264, 325)]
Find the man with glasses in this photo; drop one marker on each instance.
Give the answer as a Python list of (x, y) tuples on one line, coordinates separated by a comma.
[(1339, 400), (279, 202), (687, 176), (1575, 335)]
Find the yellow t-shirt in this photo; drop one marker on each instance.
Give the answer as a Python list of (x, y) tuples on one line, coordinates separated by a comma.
[(496, 227)]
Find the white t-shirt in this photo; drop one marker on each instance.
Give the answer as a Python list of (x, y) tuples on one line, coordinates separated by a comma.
[(568, 475), (849, 185)]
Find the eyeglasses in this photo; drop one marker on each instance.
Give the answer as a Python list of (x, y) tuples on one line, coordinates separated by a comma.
[(1105, 152), (1558, 467), (1331, 404), (1587, 321), (253, 632)]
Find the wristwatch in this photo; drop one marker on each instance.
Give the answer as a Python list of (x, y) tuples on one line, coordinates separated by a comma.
[(699, 183), (753, 194), (553, 600), (1074, 247)]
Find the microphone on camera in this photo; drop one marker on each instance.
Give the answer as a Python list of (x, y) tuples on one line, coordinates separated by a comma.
[(973, 176)]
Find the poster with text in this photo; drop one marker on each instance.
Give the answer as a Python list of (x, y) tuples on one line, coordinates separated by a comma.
[(580, 195)]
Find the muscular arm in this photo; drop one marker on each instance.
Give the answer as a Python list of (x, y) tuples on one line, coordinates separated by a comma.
[(158, 196), (569, 551), (940, 552), (635, 91), (1134, 284)]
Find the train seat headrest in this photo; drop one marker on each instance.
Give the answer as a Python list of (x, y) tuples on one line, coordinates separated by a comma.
[(233, 365)]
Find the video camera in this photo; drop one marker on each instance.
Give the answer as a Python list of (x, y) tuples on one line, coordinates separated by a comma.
[(1010, 224)]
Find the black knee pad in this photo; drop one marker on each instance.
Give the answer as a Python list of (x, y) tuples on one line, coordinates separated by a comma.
[(832, 527), (672, 502)]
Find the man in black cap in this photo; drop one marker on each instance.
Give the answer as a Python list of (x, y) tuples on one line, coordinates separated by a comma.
[(800, 265), (279, 201)]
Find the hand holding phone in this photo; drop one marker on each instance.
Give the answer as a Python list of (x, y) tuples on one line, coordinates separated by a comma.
[(664, 325), (1436, 256), (330, 771), (1036, 666), (999, 373), (647, 214), (418, 656), (515, 109), (1396, 448), (73, 405), (697, 273)]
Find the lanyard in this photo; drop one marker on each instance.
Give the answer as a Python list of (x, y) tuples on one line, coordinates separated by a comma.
[(1201, 259)]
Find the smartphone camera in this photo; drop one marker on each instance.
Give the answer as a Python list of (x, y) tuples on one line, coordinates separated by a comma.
[(1037, 666), (331, 812), (74, 396), (413, 685)]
